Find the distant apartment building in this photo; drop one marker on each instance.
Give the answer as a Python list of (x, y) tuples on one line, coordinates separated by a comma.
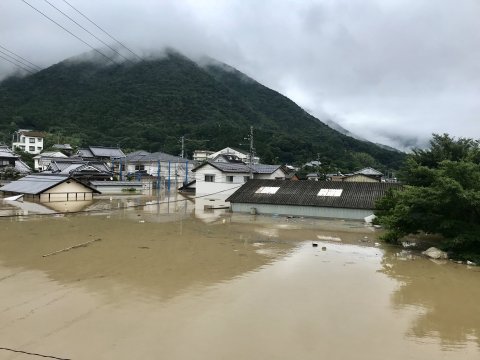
[(29, 141)]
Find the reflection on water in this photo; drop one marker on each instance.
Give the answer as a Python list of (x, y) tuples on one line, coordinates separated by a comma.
[(446, 295), (178, 281)]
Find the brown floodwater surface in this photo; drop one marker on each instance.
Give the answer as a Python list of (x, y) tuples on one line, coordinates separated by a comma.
[(150, 285)]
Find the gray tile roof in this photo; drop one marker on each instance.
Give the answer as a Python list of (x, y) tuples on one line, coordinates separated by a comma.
[(304, 193), (116, 183), (242, 168), (106, 152), (85, 153), (5, 152), (69, 167), (20, 166), (146, 157), (33, 184)]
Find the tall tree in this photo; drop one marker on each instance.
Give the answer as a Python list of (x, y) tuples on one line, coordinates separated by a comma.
[(441, 196)]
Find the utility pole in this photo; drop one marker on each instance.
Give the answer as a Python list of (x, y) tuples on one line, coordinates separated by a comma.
[(251, 152), (183, 146)]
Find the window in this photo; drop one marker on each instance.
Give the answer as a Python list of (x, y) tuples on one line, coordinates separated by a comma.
[(330, 192), (39, 139), (22, 147), (39, 148), (267, 190), (246, 178), (209, 178), (230, 179), (139, 167), (22, 139), (31, 140), (31, 148)]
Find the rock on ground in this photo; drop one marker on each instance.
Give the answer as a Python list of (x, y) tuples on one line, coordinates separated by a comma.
[(435, 253)]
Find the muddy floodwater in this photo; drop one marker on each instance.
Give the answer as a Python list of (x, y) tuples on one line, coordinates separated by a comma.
[(176, 281)]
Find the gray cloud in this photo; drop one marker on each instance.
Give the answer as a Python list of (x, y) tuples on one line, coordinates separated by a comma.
[(384, 69)]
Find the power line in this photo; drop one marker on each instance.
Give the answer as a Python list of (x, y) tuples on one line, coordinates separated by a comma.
[(18, 61), (104, 31), (88, 31), (20, 66), (77, 37), (11, 52)]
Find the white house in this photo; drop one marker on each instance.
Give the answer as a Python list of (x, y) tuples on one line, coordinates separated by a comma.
[(28, 140), (243, 155), (41, 161), (201, 155), (224, 178)]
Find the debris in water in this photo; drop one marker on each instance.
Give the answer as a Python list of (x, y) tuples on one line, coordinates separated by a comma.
[(377, 244), (85, 244), (314, 244), (324, 248)]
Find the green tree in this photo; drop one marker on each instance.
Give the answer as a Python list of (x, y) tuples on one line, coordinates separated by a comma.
[(441, 196)]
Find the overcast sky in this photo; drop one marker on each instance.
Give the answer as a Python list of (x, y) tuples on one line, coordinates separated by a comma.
[(383, 69)]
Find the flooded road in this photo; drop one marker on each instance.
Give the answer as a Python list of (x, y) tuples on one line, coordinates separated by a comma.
[(192, 284)]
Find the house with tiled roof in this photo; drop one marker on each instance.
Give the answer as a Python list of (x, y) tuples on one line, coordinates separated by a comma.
[(10, 160), (225, 177), (50, 188), (169, 169), (242, 154), (30, 141), (324, 199)]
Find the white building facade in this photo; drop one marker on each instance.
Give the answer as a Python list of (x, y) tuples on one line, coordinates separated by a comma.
[(225, 179), (28, 140)]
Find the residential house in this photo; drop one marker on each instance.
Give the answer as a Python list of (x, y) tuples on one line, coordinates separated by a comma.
[(9, 159), (225, 177), (324, 199), (367, 174), (202, 155), (84, 171), (64, 148), (41, 161), (29, 141), (49, 188), (113, 157), (243, 155), (171, 169)]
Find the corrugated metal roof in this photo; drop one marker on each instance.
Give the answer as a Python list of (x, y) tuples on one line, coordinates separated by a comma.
[(304, 193), (33, 184)]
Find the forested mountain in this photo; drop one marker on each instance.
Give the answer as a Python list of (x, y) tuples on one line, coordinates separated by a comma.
[(150, 104)]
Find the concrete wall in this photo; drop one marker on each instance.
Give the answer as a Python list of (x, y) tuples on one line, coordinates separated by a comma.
[(306, 211)]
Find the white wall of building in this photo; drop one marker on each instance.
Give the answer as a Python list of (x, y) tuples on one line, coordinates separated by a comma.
[(225, 182), (29, 144)]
